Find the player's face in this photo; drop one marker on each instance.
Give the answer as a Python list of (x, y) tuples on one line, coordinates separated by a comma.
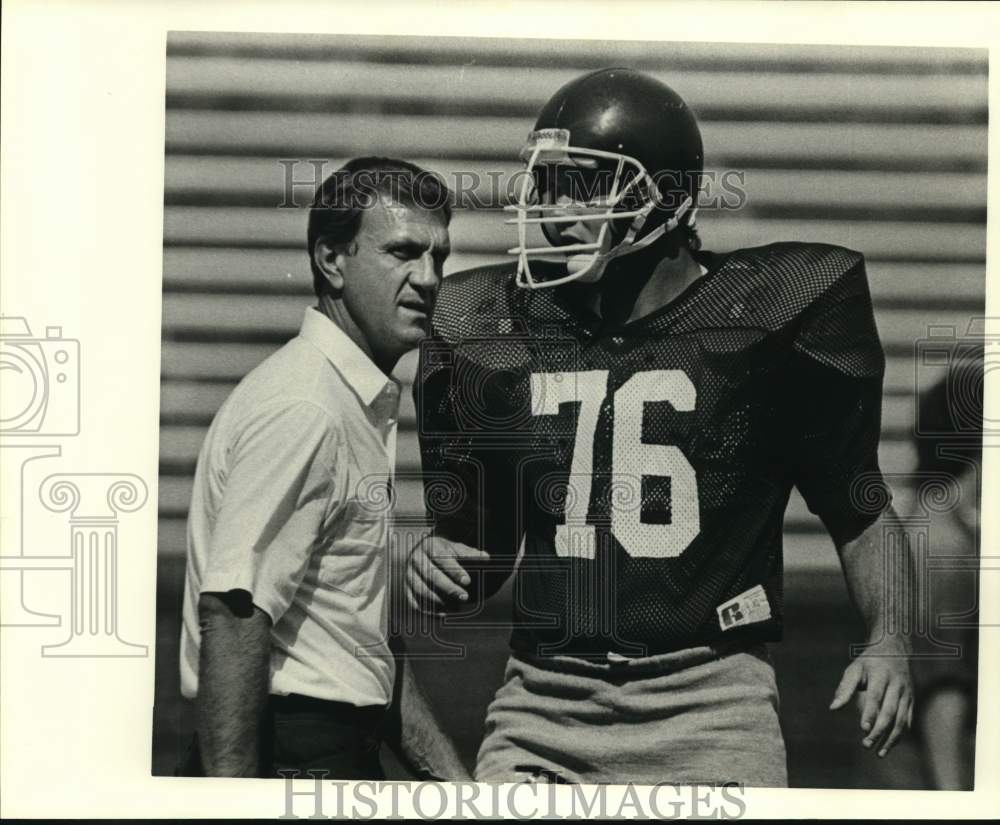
[(575, 191), (391, 280)]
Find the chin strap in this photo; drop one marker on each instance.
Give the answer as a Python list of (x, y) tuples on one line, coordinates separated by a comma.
[(627, 246)]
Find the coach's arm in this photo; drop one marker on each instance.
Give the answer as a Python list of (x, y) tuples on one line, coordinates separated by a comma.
[(412, 729), (233, 675), (882, 586)]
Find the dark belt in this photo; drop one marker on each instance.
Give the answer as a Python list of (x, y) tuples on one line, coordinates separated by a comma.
[(368, 717), (613, 667), (360, 724)]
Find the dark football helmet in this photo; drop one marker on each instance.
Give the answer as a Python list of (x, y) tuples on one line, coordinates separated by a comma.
[(614, 147)]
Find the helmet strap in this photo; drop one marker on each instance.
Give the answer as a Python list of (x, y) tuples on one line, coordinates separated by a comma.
[(628, 245)]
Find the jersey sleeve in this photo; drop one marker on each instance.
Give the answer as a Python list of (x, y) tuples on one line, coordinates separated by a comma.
[(279, 490), (460, 456), (837, 384)]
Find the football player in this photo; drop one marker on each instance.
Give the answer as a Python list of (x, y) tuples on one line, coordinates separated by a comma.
[(631, 414)]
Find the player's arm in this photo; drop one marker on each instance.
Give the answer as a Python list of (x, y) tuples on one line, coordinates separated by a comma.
[(837, 384), (412, 728), (473, 546), (882, 585), (439, 573), (232, 682)]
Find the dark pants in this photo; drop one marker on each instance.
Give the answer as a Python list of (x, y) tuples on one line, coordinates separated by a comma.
[(301, 734)]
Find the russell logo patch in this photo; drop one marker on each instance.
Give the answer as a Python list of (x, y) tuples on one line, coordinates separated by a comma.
[(749, 607)]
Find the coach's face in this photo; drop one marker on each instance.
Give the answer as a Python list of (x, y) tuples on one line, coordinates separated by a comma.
[(390, 275)]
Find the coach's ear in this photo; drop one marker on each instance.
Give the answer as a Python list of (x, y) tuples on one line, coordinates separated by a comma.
[(328, 260)]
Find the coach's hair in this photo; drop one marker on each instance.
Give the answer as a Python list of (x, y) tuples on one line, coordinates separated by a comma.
[(340, 201)]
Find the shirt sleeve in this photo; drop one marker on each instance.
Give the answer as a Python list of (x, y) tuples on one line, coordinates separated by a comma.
[(278, 492), (837, 386)]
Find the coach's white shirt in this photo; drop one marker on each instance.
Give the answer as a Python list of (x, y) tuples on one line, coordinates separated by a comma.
[(289, 504)]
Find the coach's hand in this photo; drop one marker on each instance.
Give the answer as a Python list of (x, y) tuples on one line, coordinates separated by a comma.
[(882, 674), (436, 574)]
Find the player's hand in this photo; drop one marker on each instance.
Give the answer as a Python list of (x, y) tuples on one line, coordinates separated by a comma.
[(882, 674), (436, 575)]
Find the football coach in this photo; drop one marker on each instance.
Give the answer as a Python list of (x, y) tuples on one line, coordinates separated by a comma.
[(284, 644)]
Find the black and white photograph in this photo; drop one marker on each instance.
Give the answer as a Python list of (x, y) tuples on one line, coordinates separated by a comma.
[(575, 412), (477, 410)]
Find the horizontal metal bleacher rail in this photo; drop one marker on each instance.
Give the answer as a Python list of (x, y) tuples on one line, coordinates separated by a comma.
[(882, 150)]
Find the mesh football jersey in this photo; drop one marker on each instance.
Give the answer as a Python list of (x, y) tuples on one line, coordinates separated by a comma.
[(647, 466)]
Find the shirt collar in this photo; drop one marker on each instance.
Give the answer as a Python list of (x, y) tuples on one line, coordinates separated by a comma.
[(357, 369)]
